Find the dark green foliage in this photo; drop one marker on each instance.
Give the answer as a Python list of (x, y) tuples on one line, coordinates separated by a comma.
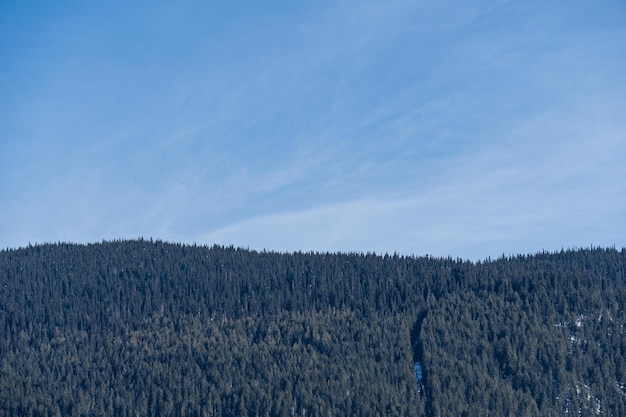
[(151, 328)]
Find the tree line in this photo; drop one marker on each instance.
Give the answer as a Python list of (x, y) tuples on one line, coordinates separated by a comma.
[(155, 328)]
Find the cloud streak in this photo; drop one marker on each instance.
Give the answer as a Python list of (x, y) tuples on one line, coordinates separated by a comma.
[(430, 127)]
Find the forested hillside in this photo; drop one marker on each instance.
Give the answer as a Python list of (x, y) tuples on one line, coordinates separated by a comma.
[(142, 327)]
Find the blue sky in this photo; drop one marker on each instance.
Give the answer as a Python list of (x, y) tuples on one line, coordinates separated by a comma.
[(451, 128)]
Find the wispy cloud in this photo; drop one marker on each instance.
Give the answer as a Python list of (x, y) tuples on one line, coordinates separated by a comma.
[(422, 127), (552, 181)]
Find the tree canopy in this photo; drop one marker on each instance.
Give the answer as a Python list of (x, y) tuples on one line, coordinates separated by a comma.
[(154, 328)]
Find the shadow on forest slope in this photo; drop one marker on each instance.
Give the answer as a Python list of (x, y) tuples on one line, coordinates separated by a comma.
[(418, 356)]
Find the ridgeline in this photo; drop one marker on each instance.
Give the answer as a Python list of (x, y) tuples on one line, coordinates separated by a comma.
[(143, 327)]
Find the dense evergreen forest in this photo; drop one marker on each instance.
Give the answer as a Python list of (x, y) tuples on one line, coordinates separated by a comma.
[(141, 327)]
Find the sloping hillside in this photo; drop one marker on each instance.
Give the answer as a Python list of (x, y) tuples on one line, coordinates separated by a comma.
[(152, 328)]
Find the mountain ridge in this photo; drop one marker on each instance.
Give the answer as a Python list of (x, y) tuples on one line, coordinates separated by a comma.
[(107, 328)]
